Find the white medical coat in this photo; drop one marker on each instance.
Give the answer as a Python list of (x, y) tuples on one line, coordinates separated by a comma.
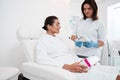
[(53, 52), (93, 30)]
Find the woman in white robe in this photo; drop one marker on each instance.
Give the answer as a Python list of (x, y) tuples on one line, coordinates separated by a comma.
[(51, 51)]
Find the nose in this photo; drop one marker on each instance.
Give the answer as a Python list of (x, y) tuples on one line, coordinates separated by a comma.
[(86, 10)]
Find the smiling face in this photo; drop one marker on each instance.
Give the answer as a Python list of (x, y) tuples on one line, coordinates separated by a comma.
[(88, 11), (54, 28)]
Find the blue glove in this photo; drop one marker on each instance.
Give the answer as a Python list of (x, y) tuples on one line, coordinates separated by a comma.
[(90, 44), (78, 43)]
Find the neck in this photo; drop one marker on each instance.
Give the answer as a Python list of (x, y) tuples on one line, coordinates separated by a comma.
[(52, 34)]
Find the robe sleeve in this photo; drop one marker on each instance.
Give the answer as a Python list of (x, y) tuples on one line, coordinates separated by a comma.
[(41, 56)]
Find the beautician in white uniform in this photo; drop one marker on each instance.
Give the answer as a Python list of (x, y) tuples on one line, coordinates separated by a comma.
[(88, 29), (51, 51)]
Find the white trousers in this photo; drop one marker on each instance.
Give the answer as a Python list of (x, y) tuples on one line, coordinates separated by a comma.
[(99, 72)]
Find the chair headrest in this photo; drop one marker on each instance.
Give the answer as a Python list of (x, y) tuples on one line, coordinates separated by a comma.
[(26, 33)]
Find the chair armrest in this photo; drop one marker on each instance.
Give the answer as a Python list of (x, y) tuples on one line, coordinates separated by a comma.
[(47, 72)]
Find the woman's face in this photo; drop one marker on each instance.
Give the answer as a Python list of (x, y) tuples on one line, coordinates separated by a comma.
[(88, 11), (55, 27)]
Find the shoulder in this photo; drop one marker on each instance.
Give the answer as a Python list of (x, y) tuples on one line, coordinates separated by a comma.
[(81, 19), (98, 22), (42, 39)]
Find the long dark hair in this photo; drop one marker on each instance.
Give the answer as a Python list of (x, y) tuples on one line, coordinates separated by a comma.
[(49, 21), (93, 4)]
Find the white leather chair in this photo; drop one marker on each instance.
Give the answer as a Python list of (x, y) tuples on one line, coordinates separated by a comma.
[(32, 70)]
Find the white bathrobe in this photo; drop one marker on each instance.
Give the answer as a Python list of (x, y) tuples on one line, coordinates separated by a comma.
[(53, 52)]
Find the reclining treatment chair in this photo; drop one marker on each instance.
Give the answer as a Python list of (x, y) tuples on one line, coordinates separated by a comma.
[(32, 70)]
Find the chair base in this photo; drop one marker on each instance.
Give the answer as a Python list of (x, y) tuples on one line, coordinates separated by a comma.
[(21, 77)]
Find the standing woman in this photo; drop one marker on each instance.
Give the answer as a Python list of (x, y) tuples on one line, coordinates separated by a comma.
[(88, 33)]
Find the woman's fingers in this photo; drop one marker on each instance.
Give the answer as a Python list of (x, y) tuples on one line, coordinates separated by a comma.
[(77, 67), (81, 70), (83, 66)]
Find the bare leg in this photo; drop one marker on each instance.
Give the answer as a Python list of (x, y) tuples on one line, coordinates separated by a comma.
[(118, 77)]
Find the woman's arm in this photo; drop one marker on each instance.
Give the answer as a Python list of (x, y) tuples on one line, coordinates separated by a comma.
[(101, 35)]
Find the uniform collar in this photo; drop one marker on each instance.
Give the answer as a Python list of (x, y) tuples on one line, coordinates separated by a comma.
[(89, 19)]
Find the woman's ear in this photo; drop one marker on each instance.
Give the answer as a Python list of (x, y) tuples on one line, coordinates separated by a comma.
[(48, 27)]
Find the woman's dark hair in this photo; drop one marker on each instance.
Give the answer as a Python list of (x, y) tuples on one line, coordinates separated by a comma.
[(49, 21), (93, 4)]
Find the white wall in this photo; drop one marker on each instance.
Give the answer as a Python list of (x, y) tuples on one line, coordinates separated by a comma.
[(113, 22), (25, 13), (103, 10)]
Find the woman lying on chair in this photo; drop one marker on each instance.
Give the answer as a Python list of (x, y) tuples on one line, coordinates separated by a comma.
[(51, 51)]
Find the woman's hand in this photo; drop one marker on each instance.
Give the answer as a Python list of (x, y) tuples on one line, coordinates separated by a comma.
[(73, 37), (75, 67)]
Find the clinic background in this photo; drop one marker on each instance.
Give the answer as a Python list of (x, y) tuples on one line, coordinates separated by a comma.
[(31, 14)]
